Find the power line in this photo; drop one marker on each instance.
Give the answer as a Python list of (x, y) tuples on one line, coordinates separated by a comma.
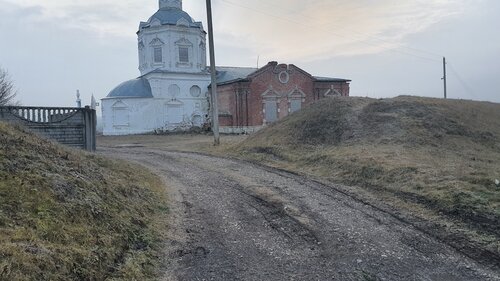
[(363, 35), (464, 84), (338, 34), (361, 39)]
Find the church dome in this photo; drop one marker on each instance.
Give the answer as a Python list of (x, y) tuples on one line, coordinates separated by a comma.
[(171, 16), (135, 88)]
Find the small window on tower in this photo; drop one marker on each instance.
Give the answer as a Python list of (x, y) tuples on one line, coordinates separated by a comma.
[(158, 56), (183, 54)]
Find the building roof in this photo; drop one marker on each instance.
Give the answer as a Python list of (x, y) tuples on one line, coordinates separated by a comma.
[(170, 16), (226, 75), (329, 79), (135, 88)]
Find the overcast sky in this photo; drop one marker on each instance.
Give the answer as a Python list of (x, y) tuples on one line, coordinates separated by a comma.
[(387, 47)]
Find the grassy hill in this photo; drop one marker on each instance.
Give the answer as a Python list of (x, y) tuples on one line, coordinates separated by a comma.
[(435, 159), (70, 215)]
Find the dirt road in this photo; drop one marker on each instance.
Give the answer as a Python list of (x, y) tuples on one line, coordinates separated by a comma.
[(233, 220)]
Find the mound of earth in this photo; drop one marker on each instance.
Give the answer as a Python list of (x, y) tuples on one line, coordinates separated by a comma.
[(70, 215), (402, 120), (437, 159)]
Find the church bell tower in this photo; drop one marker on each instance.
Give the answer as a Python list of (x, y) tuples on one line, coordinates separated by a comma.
[(171, 4)]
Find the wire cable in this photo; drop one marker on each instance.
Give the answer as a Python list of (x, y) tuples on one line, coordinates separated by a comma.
[(274, 16), (363, 35), (464, 84)]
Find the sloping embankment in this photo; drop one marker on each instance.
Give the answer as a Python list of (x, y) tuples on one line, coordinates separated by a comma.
[(70, 215), (435, 159)]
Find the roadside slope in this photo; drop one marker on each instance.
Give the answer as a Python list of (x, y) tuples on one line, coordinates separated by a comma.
[(70, 215), (435, 159)]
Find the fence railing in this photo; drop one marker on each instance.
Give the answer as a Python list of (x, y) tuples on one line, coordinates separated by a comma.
[(43, 114), (70, 126)]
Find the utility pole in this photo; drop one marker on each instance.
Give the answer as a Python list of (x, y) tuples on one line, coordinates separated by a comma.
[(215, 105), (444, 78)]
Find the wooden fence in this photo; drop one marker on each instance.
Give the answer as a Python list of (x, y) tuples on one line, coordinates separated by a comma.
[(74, 127)]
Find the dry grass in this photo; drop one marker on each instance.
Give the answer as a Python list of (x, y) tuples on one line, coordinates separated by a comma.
[(70, 215), (173, 142), (433, 158)]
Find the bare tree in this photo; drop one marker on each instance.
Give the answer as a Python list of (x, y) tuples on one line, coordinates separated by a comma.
[(7, 91)]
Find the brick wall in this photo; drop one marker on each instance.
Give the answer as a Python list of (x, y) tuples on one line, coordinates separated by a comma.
[(241, 104)]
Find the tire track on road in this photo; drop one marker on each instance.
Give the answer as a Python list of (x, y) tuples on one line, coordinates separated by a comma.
[(239, 221)]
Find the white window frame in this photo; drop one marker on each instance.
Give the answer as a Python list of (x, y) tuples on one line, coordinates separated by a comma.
[(157, 55), (156, 44), (184, 54), (183, 44)]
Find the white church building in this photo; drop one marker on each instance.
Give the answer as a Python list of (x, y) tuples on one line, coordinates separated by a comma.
[(171, 92)]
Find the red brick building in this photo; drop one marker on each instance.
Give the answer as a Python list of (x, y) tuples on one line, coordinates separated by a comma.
[(250, 98)]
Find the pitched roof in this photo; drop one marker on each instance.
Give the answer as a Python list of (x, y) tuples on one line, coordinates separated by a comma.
[(329, 79), (227, 75)]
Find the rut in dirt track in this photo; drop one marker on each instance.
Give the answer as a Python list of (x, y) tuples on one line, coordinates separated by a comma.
[(237, 221)]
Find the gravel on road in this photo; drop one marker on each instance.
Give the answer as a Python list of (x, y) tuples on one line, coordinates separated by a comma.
[(232, 220)]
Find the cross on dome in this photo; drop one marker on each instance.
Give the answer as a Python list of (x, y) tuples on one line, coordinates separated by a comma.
[(171, 4)]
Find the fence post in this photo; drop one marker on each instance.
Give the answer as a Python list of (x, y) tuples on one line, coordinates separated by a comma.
[(94, 128), (88, 114)]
